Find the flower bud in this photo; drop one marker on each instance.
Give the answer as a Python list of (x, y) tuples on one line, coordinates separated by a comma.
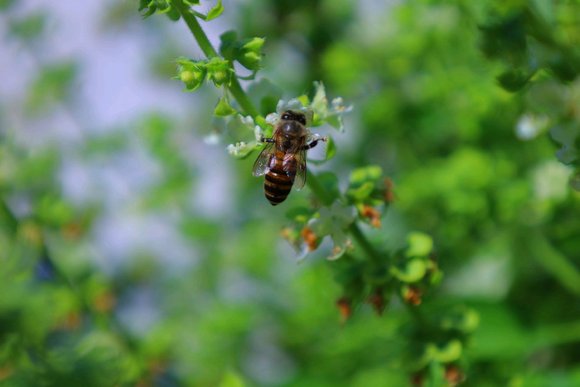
[(219, 71), (377, 301), (412, 295), (453, 375), (344, 308), (250, 53), (310, 238), (371, 214), (191, 73)]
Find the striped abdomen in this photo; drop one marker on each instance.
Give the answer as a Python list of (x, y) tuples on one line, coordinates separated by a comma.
[(280, 177)]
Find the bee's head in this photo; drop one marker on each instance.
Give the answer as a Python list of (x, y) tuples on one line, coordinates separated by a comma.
[(290, 115)]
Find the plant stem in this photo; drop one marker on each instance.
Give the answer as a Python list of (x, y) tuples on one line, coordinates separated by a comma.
[(210, 52), (242, 98), (364, 242)]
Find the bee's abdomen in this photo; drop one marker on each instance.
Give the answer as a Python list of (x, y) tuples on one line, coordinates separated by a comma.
[(277, 185)]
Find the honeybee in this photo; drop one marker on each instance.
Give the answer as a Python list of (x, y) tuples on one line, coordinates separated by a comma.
[(283, 160)]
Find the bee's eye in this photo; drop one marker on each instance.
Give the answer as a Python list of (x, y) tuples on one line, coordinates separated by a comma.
[(302, 120), (285, 116)]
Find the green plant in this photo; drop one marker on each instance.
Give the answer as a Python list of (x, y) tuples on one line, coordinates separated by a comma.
[(366, 269)]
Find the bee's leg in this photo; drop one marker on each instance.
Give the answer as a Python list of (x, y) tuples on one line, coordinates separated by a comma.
[(264, 139), (314, 142)]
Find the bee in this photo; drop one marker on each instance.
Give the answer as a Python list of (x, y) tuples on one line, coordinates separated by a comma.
[(283, 160)]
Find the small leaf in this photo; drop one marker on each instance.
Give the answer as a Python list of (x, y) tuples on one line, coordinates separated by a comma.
[(227, 44), (515, 79), (362, 192), (216, 11), (362, 175), (420, 245), (148, 7), (223, 108), (413, 271), (52, 85), (29, 27), (330, 148), (448, 353)]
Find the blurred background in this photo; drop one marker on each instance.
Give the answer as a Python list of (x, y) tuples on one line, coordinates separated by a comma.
[(135, 251)]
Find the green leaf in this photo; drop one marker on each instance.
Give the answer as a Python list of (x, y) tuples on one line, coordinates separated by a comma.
[(228, 42), (420, 245), (30, 27), (412, 271), (147, 8), (451, 351), (362, 175), (362, 192), (215, 11), (515, 79), (330, 148), (223, 108), (52, 85)]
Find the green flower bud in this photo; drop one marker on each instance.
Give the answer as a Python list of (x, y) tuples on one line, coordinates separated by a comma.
[(250, 60), (191, 73), (253, 44), (250, 53), (219, 71)]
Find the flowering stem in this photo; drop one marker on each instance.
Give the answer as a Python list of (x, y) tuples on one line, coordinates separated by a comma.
[(210, 52), (248, 107), (322, 194)]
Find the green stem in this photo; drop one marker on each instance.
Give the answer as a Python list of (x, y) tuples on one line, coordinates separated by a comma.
[(553, 261), (364, 242), (242, 98), (201, 38)]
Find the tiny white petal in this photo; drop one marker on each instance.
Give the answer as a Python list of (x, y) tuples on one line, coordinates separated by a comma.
[(247, 120), (258, 133), (272, 118)]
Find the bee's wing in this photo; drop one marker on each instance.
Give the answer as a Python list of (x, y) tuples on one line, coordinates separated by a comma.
[(262, 163), (300, 178)]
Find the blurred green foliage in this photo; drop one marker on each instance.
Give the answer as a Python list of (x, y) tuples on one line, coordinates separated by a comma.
[(471, 108)]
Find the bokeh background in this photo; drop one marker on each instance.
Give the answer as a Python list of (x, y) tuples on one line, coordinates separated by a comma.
[(135, 251)]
